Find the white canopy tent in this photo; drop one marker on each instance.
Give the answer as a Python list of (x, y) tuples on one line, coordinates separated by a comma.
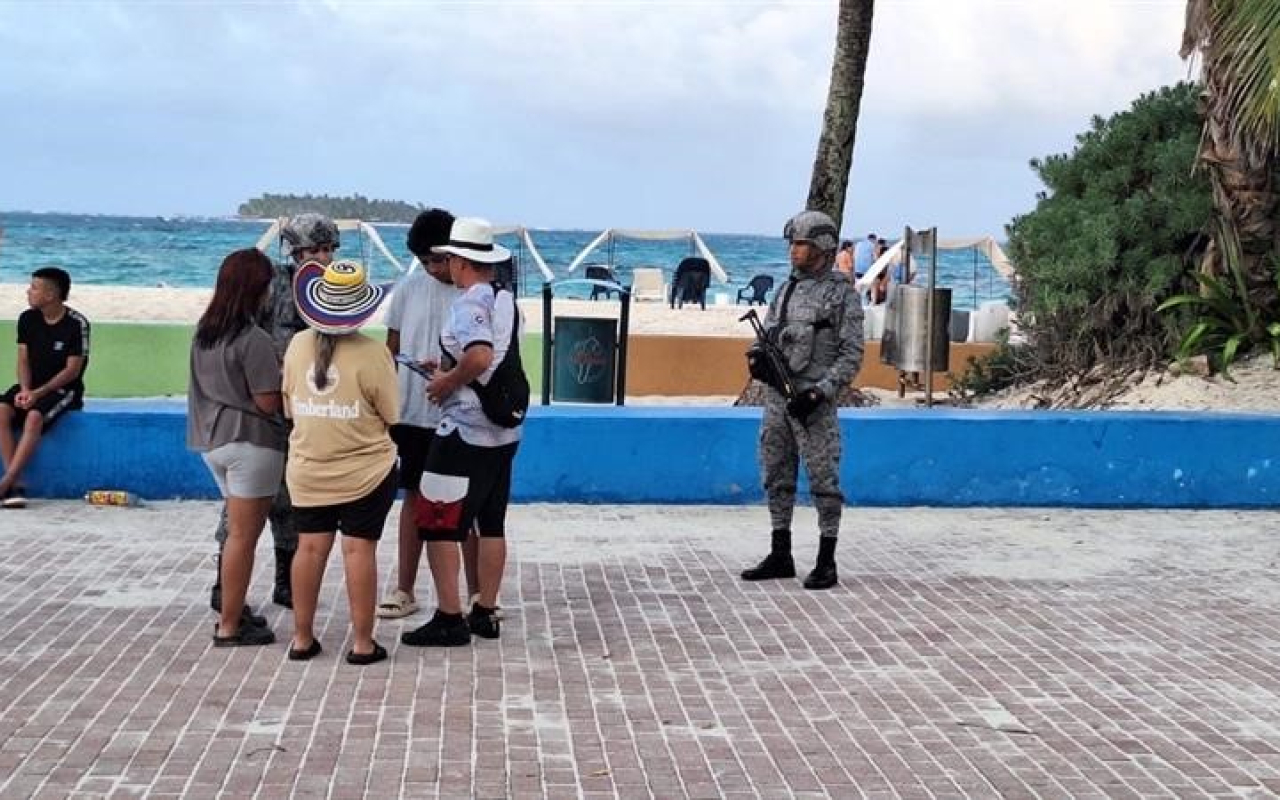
[(983, 244), (655, 236), (272, 235)]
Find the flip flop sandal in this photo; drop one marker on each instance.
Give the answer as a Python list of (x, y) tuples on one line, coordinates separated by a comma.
[(364, 659), (307, 653), (396, 605)]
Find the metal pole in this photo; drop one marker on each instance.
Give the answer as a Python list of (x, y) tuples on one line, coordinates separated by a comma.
[(546, 344), (928, 323), (624, 323)]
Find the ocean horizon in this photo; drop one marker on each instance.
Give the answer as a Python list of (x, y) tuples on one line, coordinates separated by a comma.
[(185, 252)]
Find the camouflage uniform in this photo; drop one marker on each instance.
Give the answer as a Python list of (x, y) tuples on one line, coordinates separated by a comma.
[(822, 343), (279, 318)]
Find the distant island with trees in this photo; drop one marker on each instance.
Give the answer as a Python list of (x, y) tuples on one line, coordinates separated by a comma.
[(354, 207)]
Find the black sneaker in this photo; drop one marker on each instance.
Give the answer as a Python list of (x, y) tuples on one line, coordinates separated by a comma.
[(773, 566), (484, 622), (444, 630), (14, 498), (246, 636), (823, 577)]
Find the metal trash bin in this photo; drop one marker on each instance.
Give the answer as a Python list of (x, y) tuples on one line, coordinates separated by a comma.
[(905, 329), (583, 359)]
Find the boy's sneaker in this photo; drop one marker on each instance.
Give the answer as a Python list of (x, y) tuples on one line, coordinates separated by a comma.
[(484, 622), (498, 613), (14, 498), (444, 630)]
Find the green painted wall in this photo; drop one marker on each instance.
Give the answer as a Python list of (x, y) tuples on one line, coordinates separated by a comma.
[(129, 359)]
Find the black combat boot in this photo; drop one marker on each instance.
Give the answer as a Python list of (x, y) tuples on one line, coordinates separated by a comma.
[(215, 592), (282, 595), (247, 617), (778, 564), (824, 572)]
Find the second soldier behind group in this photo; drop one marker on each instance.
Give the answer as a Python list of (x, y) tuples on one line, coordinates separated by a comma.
[(305, 237), (815, 320)]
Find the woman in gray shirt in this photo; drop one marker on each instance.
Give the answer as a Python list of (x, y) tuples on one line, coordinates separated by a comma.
[(233, 403)]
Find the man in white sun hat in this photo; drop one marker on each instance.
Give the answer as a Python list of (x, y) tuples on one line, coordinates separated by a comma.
[(483, 394)]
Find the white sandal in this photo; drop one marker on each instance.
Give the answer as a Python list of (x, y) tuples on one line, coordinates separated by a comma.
[(397, 604)]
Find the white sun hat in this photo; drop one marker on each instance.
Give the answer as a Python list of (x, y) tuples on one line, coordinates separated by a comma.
[(472, 238)]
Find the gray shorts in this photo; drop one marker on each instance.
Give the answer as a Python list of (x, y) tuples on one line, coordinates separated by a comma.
[(244, 470)]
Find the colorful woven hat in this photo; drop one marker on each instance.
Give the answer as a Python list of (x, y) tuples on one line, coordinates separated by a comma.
[(338, 298)]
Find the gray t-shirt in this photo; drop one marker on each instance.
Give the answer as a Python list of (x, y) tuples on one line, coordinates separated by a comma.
[(224, 379)]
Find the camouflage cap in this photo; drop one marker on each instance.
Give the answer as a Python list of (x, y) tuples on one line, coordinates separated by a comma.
[(813, 227), (309, 230)]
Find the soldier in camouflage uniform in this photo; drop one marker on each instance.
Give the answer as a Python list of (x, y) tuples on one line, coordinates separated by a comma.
[(815, 319), (305, 237)]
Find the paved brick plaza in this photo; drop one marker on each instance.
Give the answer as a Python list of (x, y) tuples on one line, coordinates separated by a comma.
[(984, 653)]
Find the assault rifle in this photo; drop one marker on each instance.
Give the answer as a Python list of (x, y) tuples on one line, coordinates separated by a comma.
[(772, 366)]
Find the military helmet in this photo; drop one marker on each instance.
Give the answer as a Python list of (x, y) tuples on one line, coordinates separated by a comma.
[(814, 227), (308, 230)]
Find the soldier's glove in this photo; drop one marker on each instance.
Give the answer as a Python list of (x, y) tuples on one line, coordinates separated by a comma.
[(758, 365), (805, 403)]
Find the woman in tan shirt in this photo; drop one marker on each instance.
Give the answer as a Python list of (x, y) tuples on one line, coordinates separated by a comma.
[(340, 390)]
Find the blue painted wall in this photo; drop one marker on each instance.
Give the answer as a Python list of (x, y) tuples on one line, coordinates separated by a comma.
[(941, 457)]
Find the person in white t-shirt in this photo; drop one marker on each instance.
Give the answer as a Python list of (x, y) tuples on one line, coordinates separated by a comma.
[(415, 316)]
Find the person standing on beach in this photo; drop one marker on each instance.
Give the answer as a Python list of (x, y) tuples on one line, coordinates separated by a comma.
[(53, 353), (864, 255), (340, 390), (815, 321), (466, 480), (305, 237), (415, 317), (233, 421), (844, 258)]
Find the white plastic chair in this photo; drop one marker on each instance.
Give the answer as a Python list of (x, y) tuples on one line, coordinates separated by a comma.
[(647, 284)]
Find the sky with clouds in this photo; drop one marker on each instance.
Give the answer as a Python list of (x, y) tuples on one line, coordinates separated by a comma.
[(601, 113)]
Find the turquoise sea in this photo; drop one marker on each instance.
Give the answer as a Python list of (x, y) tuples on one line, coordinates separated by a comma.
[(186, 252)]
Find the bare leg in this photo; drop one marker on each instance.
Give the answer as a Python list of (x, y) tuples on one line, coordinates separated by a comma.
[(308, 572), (410, 546), (444, 559), (7, 442), (245, 518), (493, 561), (26, 448), (360, 561)]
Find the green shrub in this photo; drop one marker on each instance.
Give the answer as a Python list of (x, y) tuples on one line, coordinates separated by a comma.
[(1112, 236)]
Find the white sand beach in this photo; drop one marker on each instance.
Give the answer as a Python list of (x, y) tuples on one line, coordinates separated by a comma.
[(169, 305)]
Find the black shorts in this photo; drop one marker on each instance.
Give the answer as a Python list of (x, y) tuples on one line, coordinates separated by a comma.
[(359, 519), (412, 443), (486, 473), (52, 406)]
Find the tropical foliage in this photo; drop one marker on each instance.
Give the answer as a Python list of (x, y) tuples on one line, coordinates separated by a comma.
[(354, 207), (1115, 232)]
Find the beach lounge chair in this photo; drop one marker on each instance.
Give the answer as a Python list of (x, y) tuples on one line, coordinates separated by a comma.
[(756, 290), (690, 283), (647, 284), (599, 272)]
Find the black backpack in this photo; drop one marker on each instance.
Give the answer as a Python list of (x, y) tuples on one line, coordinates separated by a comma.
[(505, 398)]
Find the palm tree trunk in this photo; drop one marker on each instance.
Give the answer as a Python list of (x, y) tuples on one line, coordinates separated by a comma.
[(1241, 169), (830, 181)]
